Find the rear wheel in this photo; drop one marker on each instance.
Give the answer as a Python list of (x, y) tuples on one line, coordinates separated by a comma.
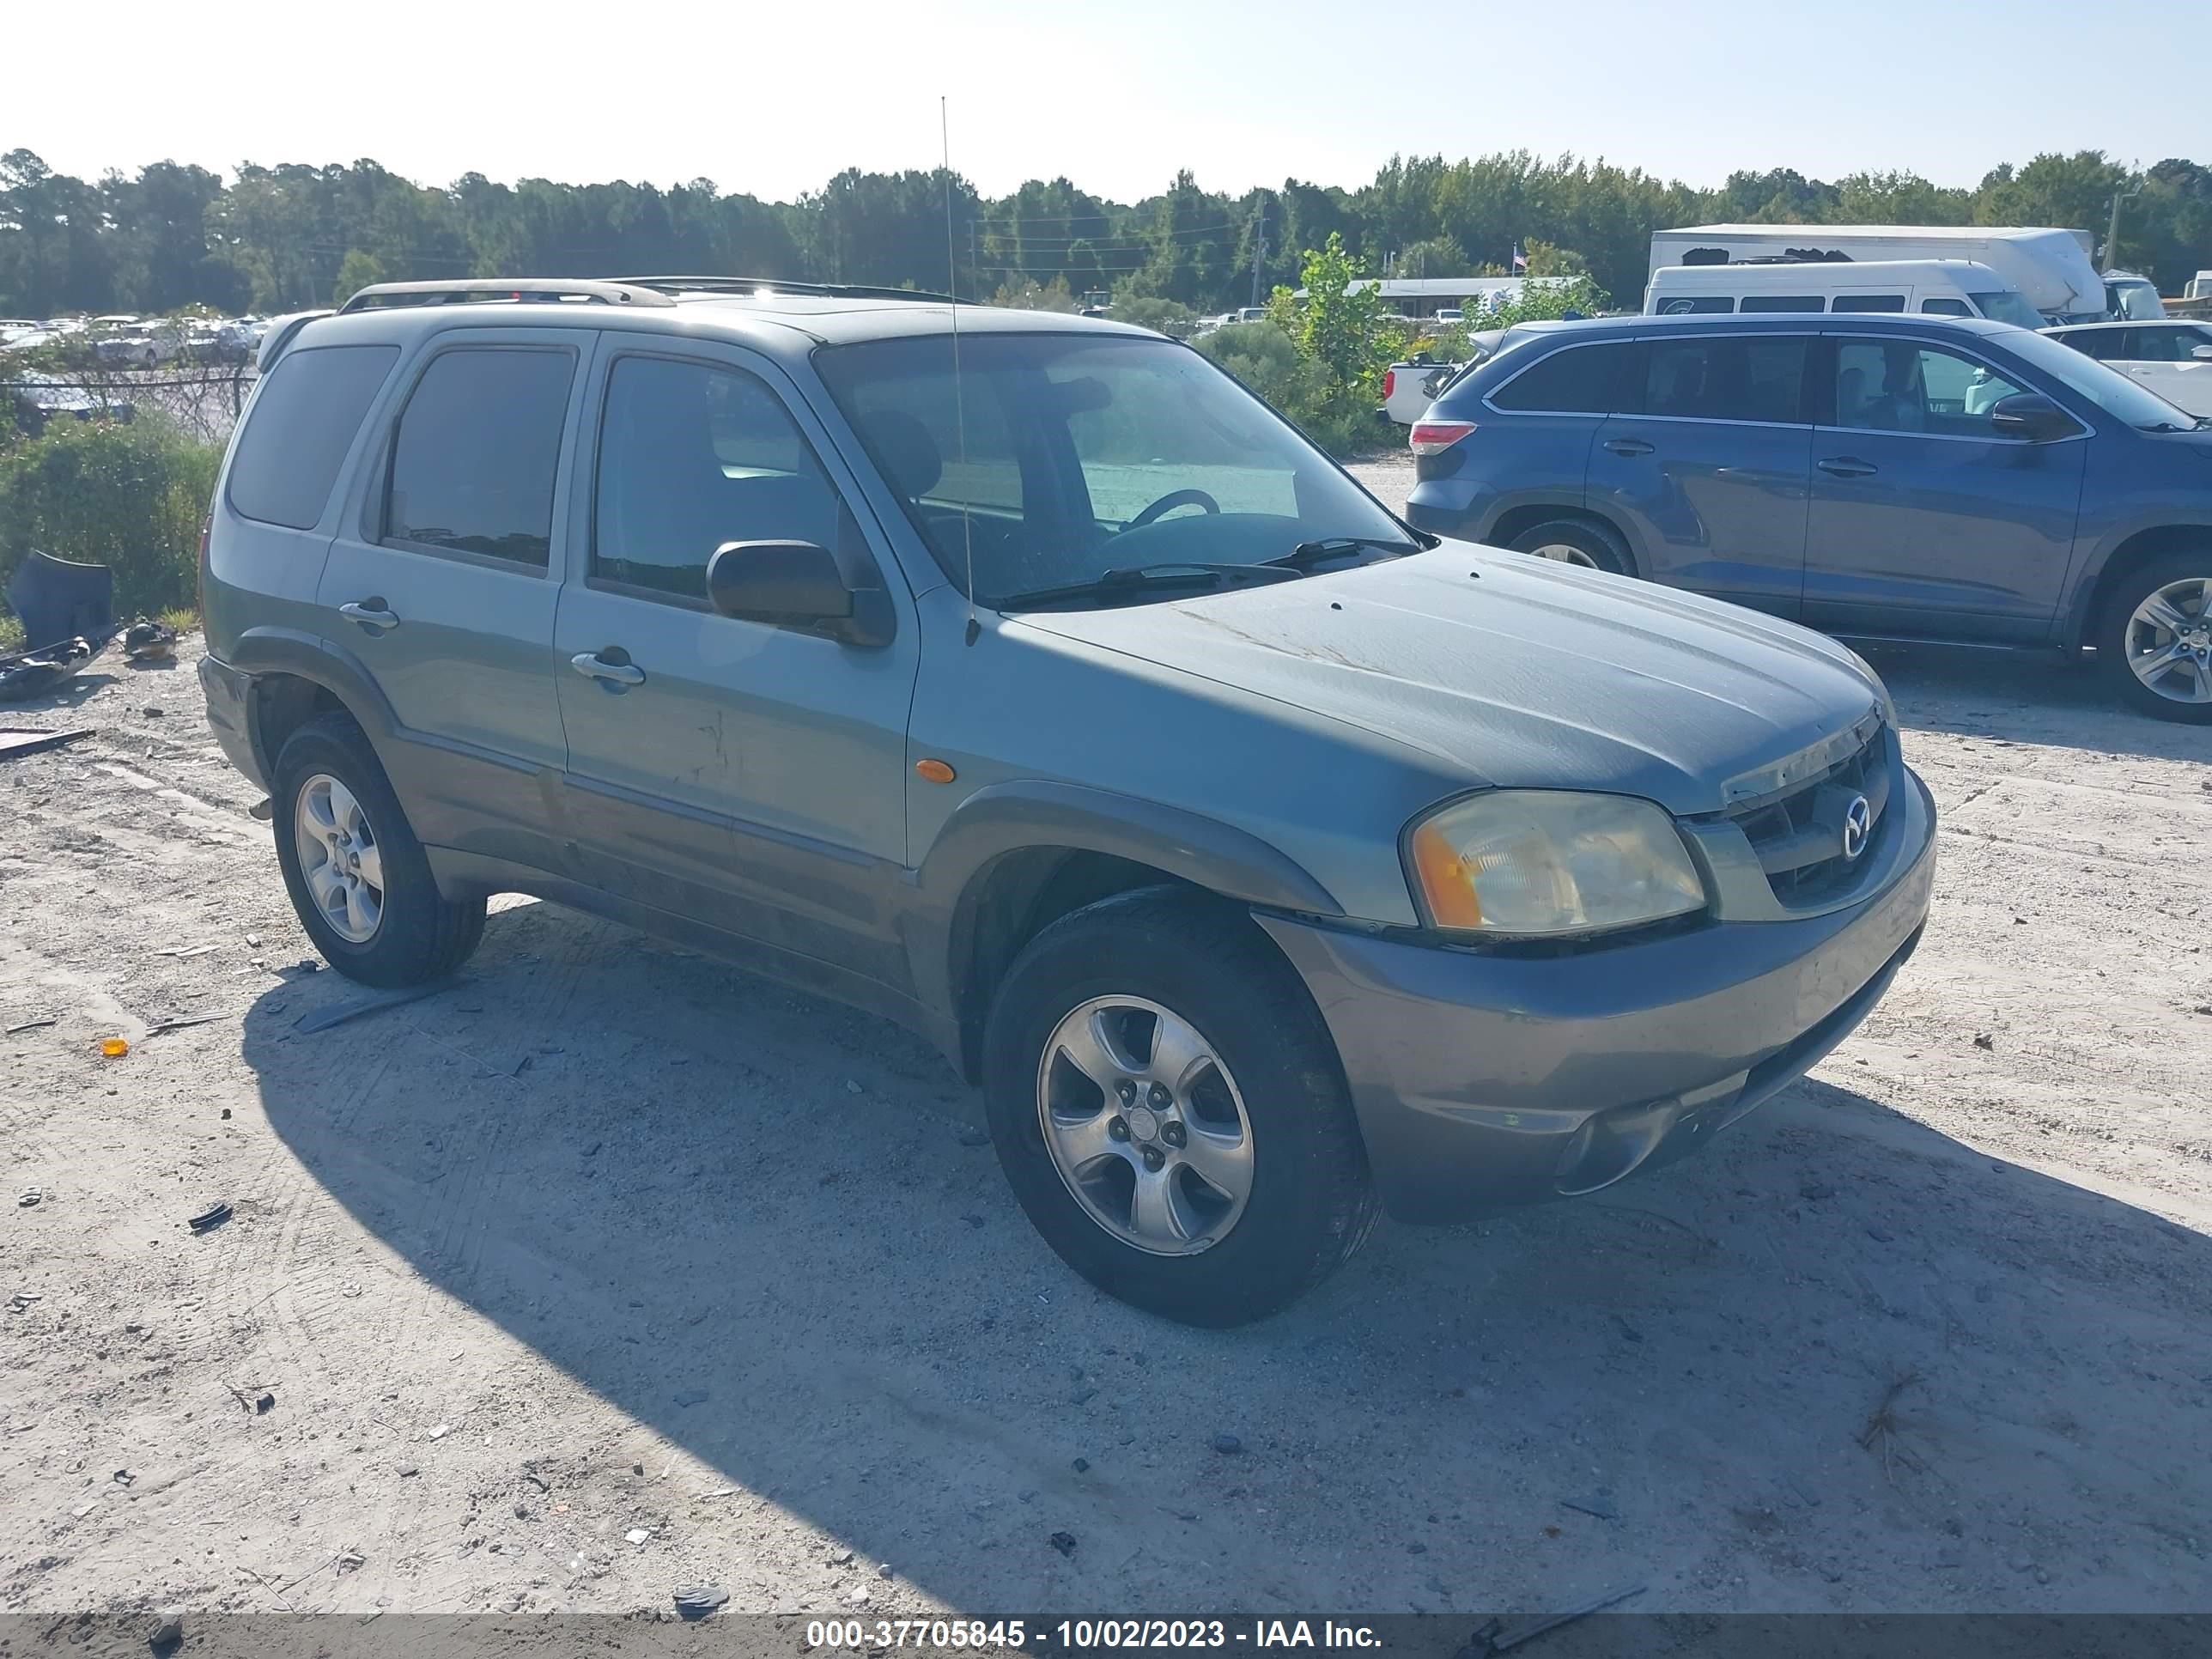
[(1170, 1111), (2156, 642), (358, 878), (1577, 541)]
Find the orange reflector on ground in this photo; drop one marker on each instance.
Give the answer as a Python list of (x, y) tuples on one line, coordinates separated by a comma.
[(115, 1047)]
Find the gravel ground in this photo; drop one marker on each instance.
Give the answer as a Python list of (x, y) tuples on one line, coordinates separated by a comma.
[(611, 1270)]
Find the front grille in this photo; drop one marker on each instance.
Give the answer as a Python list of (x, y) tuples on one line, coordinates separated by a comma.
[(1798, 833)]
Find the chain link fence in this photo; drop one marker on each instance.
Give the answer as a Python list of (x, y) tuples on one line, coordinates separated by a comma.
[(200, 401)]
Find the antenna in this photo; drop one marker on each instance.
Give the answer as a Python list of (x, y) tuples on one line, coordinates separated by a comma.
[(959, 409)]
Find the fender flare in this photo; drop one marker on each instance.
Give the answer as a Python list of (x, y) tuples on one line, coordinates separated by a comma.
[(1015, 816), (264, 651)]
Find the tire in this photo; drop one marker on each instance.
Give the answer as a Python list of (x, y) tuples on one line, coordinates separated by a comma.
[(1580, 541), (418, 933), (2122, 639), (1274, 1075)]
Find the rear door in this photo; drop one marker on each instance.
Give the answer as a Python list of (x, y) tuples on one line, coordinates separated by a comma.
[(1924, 521), (443, 581), (732, 772), (1708, 465), (2163, 357)]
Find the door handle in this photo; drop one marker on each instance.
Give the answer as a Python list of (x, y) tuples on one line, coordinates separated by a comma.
[(1845, 466), (370, 613), (1627, 447), (594, 665)]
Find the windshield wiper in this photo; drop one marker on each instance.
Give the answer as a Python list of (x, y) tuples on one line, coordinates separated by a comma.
[(1129, 578), (1306, 554)]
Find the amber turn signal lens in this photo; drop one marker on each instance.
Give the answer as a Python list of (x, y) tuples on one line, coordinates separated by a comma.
[(1452, 902), (935, 770)]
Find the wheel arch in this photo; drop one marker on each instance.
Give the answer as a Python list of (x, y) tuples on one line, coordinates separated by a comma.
[(295, 678), (1015, 858), (2129, 555), (1517, 521)]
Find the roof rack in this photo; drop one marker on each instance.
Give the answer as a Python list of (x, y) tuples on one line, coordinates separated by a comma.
[(779, 285), (486, 290)]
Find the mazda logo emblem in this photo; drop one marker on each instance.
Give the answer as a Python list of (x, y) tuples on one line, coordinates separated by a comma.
[(1859, 824)]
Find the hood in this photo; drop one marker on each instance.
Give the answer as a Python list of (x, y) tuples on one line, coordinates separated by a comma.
[(1514, 672)]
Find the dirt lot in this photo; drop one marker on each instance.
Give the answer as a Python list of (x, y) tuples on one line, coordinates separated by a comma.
[(611, 1270)]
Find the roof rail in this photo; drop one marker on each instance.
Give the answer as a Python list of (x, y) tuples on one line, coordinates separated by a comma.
[(484, 290), (779, 285)]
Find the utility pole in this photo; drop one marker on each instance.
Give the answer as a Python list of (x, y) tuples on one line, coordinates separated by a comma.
[(1259, 250), (2112, 230)]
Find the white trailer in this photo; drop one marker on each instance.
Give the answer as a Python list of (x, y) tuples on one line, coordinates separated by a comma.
[(2051, 267)]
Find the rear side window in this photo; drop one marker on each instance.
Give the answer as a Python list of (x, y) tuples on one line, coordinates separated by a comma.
[(691, 457), (473, 465), (2102, 344), (304, 419), (1784, 302), (1695, 305), (1945, 308), (1577, 380), (1869, 302), (1758, 377)]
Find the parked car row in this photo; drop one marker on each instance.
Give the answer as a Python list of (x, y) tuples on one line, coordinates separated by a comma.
[(128, 342)]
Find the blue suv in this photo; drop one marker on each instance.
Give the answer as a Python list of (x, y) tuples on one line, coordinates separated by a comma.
[(1896, 477)]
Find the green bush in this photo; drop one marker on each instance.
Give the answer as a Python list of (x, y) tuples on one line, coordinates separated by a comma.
[(1264, 357), (128, 496)]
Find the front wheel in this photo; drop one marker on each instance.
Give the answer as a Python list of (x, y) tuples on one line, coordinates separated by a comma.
[(1169, 1109), (2156, 640)]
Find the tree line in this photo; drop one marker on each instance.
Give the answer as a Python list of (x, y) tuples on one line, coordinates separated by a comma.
[(291, 236)]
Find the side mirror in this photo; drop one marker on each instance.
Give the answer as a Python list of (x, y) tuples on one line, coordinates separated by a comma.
[(2202, 353), (798, 584), (2031, 416)]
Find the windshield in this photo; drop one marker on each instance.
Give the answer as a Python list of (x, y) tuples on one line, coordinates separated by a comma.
[(2110, 389), (2008, 306), (1070, 455)]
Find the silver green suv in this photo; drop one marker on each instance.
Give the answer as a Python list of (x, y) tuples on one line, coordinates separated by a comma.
[(1023, 678)]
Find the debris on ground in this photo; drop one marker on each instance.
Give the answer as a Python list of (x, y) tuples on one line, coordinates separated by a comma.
[(321, 1019), (30, 1198), (690, 1396), (441, 1431), (264, 1403), (209, 1219), (1227, 1444), (1815, 1192), (146, 641), (115, 1047), (1882, 1425), (974, 1137), (169, 1630), (697, 1601), (27, 674), (1597, 1506), (1983, 1040), (31, 1025), (186, 1024), (124, 1477), (1064, 1542), (1496, 1637), (22, 1301), (637, 1534), (14, 745)]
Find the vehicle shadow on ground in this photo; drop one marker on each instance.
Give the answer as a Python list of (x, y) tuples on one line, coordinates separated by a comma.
[(755, 1223), (2026, 698)]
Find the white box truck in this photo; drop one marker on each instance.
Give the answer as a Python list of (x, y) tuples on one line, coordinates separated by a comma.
[(2051, 267)]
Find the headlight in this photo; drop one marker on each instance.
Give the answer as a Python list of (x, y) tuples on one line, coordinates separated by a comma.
[(1538, 862)]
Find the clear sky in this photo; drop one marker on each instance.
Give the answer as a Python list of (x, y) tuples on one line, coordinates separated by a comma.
[(772, 99)]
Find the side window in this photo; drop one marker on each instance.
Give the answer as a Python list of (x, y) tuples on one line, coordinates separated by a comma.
[(2155, 345), (304, 420), (1756, 377), (1893, 386), (1869, 302), (1696, 305), (1577, 380), (692, 456), (473, 464), (1946, 308), (2102, 344), (1784, 302)]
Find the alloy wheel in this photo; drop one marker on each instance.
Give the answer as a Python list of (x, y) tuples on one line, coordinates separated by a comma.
[(1565, 553), (1144, 1124), (2168, 640), (340, 858)]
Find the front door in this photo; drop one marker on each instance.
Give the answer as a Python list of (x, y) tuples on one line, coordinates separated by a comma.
[(443, 580), (1925, 522), (1709, 470), (745, 776)]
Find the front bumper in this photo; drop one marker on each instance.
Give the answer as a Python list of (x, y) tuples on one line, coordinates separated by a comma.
[(1483, 1079), (230, 707)]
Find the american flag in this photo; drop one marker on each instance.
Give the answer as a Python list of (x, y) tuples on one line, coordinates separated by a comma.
[(1519, 261)]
